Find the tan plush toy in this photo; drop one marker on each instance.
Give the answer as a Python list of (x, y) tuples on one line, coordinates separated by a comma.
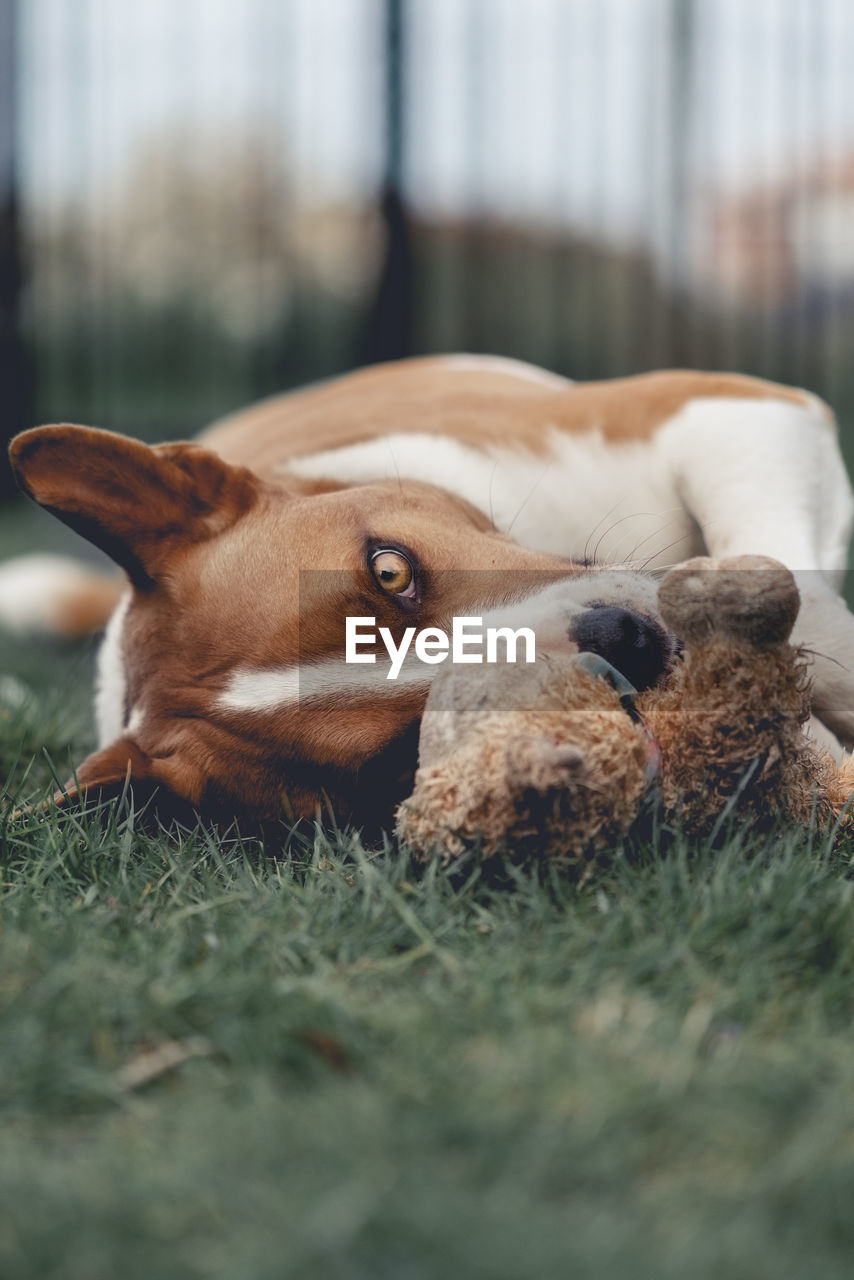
[(556, 760)]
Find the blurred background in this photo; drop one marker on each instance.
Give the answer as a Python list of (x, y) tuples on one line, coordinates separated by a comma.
[(204, 201)]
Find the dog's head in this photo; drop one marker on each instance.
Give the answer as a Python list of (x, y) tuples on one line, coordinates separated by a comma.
[(223, 677)]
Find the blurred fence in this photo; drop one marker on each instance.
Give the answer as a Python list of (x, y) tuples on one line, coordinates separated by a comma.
[(205, 201)]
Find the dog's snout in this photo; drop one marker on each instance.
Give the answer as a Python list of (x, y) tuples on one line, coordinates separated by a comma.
[(637, 646)]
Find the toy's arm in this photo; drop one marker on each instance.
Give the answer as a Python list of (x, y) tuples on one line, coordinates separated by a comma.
[(730, 723)]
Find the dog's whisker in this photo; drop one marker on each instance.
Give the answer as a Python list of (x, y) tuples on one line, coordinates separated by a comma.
[(396, 467), (534, 487), (633, 515), (630, 558), (600, 521), (660, 552), (601, 539), (667, 512), (491, 486)]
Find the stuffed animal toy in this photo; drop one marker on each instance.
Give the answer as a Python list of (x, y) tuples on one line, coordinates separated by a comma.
[(557, 760)]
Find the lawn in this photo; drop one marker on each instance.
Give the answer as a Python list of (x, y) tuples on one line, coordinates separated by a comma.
[(311, 1059)]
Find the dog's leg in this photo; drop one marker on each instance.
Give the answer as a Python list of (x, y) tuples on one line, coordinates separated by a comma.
[(767, 478)]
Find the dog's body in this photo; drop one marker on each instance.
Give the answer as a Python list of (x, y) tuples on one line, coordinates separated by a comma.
[(502, 488)]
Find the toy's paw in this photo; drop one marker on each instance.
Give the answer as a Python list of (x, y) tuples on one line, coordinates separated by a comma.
[(749, 598)]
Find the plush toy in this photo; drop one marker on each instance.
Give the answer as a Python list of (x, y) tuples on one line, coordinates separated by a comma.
[(558, 759)]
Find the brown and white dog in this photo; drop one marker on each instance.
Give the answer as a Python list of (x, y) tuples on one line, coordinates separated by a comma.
[(411, 493)]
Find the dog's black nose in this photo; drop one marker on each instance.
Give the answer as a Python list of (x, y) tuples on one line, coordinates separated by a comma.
[(637, 646)]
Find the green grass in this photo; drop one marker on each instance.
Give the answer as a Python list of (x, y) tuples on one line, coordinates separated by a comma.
[(220, 1060)]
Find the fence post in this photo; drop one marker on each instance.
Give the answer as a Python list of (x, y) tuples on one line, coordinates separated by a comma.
[(15, 371), (389, 327)]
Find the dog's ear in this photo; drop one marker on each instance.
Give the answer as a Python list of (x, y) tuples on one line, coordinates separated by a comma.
[(108, 771), (132, 500)]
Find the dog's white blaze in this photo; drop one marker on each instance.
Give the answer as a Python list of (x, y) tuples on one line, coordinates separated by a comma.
[(110, 680), (265, 689), (260, 689)]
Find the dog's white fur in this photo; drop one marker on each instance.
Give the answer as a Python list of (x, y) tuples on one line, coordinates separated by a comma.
[(725, 474), (110, 693)]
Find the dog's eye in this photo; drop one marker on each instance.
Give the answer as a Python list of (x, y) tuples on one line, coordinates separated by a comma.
[(393, 572)]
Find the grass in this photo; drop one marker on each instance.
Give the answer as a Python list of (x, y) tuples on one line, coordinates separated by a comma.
[(221, 1060)]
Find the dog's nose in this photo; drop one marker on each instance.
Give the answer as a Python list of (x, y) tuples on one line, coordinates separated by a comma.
[(637, 646)]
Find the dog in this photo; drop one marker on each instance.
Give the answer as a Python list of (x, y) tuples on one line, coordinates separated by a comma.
[(409, 494)]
